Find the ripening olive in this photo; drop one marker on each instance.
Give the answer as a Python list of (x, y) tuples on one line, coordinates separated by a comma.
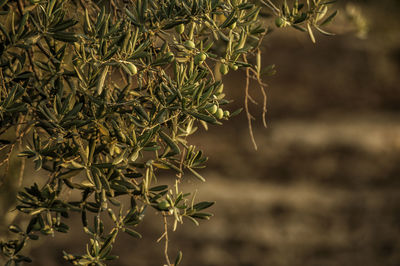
[(190, 44), (180, 28), (170, 56), (163, 205), (220, 89), (199, 59), (132, 68), (224, 69), (219, 114), (233, 67), (279, 22), (202, 56), (212, 109)]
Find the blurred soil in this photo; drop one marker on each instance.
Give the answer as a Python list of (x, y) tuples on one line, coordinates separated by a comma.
[(324, 186)]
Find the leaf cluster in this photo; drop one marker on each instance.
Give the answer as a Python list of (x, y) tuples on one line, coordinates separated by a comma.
[(104, 99)]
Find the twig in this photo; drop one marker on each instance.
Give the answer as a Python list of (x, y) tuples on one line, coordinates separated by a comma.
[(123, 76), (179, 175), (3, 147), (262, 87), (210, 70), (20, 135), (4, 129), (166, 240), (7, 159), (252, 100), (271, 6), (264, 105), (9, 153), (246, 105)]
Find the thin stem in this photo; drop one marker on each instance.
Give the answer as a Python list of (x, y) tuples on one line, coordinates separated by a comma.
[(166, 240), (210, 70), (246, 105), (271, 6), (262, 87)]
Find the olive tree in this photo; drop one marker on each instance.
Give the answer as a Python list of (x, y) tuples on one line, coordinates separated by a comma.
[(101, 97)]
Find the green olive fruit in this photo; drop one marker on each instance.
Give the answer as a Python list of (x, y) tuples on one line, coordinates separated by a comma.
[(224, 69), (170, 56), (180, 28), (213, 109), (163, 205), (219, 114), (47, 230), (117, 150), (190, 44), (279, 22), (202, 56), (227, 113), (36, 226), (132, 68), (233, 67), (199, 59), (220, 89)]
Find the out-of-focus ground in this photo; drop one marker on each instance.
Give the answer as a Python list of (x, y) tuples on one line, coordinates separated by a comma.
[(324, 186)]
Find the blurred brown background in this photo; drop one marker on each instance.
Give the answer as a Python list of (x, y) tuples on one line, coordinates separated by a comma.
[(323, 188)]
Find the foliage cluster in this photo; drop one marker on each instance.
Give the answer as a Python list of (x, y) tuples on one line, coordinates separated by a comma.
[(103, 98)]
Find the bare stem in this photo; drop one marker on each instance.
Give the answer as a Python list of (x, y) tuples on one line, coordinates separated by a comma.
[(210, 70), (166, 240), (262, 87), (271, 6), (246, 105)]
